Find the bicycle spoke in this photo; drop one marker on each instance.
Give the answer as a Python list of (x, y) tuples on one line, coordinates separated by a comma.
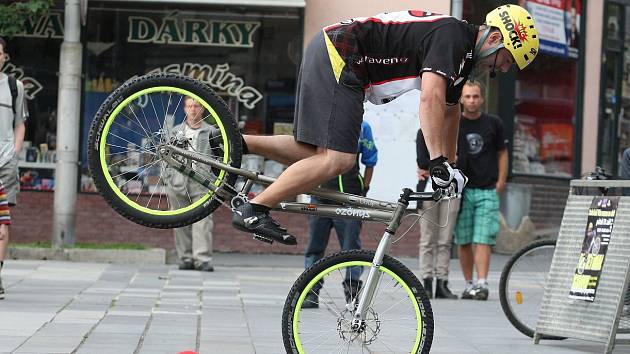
[(129, 129), (129, 142), (138, 120)]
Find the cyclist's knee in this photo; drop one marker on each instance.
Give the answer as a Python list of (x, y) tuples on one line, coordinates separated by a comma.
[(339, 162)]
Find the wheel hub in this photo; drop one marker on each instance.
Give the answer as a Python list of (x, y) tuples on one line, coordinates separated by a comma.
[(350, 329)]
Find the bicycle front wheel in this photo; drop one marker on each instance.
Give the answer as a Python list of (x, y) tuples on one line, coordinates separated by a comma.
[(522, 285), (131, 156), (318, 311)]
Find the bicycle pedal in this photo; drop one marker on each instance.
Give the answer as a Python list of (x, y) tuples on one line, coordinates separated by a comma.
[(263, 239)]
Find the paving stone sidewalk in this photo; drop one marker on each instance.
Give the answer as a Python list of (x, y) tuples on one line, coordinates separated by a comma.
[(63, 307)]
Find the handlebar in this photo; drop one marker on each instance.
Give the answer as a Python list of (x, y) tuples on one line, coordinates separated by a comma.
[(439, 194)]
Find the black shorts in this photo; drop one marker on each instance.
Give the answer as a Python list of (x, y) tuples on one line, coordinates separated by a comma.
[(327, 113)]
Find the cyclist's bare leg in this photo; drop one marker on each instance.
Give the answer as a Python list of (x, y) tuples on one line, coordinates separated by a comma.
[(466, 258), (305, 175), (482, 260), (281, 148)]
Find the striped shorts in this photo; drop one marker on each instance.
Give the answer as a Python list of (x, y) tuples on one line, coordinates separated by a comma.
[(478, 220), (5, 214)]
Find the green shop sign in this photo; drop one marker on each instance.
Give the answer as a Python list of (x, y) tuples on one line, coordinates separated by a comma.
[(192, 32), (46, 26)]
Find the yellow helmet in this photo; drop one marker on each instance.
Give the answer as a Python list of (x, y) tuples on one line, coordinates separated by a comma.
[(518, 28)]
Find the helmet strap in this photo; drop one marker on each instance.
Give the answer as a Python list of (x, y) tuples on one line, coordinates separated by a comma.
[(478, 54), (493, 73)]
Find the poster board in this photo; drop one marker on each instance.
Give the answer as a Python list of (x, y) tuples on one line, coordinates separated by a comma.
[(601, 319)]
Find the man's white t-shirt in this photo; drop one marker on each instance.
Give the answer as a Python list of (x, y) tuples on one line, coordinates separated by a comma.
[(8, 121)]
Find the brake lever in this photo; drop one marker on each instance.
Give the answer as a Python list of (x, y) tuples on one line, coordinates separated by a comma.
[(446, 193)]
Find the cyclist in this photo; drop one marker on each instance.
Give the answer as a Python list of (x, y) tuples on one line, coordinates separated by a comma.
[(377, 59)]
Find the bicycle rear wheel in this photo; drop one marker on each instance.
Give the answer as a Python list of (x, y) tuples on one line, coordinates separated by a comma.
[(522, 285), (399, 319), (130, 160)]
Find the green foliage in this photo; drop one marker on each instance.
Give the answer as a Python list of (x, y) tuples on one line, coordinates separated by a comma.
[(13, 14)]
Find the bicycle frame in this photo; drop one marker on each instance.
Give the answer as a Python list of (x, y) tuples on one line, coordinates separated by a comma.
[(350, 206)]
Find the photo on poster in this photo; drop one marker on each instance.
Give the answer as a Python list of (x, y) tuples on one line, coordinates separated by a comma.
[(599, 226)]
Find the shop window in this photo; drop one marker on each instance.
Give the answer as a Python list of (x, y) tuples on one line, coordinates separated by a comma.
[(545, 115), (249, 56)]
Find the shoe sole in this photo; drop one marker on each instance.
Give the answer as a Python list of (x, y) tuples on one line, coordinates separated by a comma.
[(482, 297), (241, 227)]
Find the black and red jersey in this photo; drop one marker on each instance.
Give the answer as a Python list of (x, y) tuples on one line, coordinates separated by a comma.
[(390, 51)]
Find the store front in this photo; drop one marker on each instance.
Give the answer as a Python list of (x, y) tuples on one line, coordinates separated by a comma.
[(248, 54), (614, 106)]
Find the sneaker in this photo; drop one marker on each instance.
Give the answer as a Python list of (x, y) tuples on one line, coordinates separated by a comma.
[(351, 290), (311, 301), (260, 223), (205, 267), (187, 264), (467, 294), (480, 292)]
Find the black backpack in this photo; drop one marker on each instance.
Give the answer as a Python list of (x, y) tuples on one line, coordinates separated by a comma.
[(14, 92)]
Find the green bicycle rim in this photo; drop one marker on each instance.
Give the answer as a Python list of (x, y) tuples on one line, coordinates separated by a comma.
[(296, 316), (102, 145)]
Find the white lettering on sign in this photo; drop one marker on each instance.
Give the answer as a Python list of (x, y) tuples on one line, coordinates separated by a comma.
[(218, 77), (31, 85), (170, 30)]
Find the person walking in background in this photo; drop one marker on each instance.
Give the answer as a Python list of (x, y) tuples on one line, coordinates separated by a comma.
[(348, 230), (482, 156), (436, 230), (5, 221), (13, 114), (193, 242)]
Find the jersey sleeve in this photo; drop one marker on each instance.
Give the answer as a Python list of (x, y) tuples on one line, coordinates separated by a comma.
[(367, 148), (445, 52)]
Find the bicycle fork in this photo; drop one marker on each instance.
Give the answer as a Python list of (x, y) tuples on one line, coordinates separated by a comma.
[(374, 276)]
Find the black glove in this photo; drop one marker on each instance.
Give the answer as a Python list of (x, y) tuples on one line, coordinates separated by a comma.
[(441, 173)]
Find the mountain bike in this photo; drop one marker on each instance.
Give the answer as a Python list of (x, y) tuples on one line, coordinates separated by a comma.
[(522, 285), (354, 300)]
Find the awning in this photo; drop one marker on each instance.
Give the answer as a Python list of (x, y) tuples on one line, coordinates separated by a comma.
[(276, 3)]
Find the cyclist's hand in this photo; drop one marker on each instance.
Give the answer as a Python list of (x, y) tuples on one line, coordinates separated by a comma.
[(441, 173), (459, 180)]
